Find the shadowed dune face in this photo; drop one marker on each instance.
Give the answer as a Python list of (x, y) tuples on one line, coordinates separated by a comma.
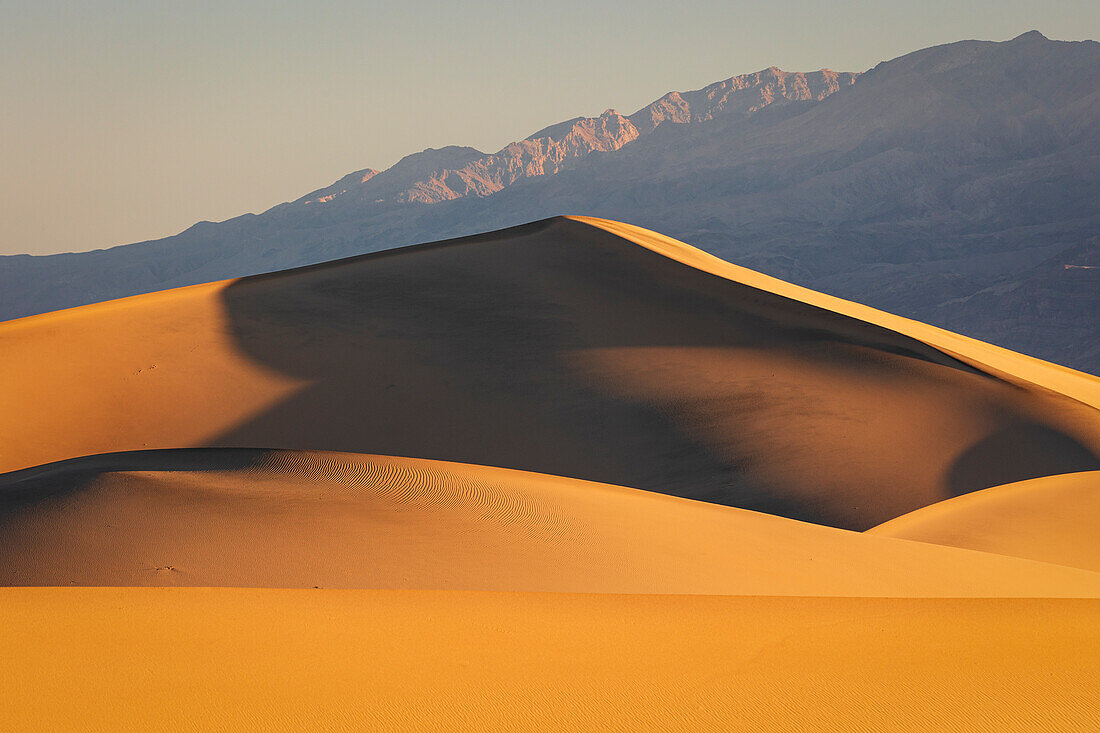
[(1039, 451), (563, 349), (557, 347)]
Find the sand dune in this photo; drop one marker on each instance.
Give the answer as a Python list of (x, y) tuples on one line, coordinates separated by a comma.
[(241, 434), (1054, 519), (151, 659), (331, 520), (1010, 365), (561, 348)]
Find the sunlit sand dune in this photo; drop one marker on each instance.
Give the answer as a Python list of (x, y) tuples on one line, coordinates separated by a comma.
[(1054, 519), (387, 456), (561, 348), (164, 658), (331, 520)]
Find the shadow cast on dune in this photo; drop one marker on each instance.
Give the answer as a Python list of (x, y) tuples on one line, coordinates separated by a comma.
[(1039, 451), (560, 348), (30, 486)]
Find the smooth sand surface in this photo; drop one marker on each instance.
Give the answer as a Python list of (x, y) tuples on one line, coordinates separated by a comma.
[(172, 659), (559, 348), (1054, 519), (158, 370), (330, 520)]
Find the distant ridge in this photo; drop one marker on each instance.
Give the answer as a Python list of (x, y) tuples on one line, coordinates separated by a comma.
[(443, 174)]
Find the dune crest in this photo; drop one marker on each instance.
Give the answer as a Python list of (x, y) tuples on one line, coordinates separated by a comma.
[(1002, 362)]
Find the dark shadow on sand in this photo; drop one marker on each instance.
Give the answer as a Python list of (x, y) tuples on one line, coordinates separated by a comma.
[(458, 351)]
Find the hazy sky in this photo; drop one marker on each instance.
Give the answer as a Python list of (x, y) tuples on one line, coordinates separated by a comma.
[(124, 121)]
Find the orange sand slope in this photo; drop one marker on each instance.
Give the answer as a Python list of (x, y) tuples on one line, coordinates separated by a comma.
[(562, 348), (330, 520), (1055, 519), (153, 659)]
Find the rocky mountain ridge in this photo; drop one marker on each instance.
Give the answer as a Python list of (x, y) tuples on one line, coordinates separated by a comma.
[(444, 174)]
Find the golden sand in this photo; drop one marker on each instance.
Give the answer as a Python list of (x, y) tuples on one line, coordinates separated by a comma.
[(360, 473), (145, 659), (1054, 519)]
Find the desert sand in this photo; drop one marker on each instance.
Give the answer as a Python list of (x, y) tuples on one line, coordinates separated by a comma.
[(569, 475), (172, 658), (1055, 519)]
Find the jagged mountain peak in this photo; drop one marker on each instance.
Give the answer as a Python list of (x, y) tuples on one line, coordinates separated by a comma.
[(436, 175)]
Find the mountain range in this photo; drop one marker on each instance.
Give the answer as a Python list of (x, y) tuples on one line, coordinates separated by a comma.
[(959, 185)]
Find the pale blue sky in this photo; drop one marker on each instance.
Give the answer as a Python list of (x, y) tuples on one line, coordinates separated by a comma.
[(130, 120)]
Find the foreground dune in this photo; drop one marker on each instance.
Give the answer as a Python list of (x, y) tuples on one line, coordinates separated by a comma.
[(1054, 519), (562, 348), (330, 520), (164, 658)]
